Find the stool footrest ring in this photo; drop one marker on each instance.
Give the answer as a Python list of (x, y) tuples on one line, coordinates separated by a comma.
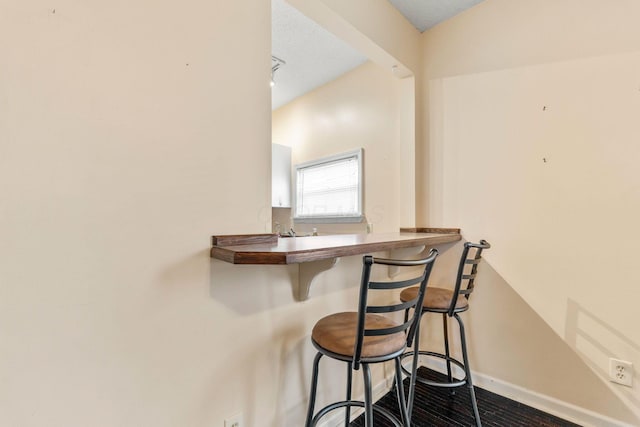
[(337, 405), (452, 384)]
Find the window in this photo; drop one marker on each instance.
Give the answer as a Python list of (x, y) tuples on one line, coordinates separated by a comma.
[(330, 189)]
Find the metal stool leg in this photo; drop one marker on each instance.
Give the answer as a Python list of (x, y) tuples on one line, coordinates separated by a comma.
[(467, 371), (314, 387), (347, 413), (445, 329), (414, 367), (402, 404), (368, 396)]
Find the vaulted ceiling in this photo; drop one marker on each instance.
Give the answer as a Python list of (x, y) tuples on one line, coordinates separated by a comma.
[(314, 57)]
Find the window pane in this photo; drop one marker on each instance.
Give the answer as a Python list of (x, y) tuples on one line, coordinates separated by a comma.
[(329, 188)]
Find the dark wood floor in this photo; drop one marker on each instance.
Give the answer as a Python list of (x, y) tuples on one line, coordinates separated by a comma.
[(436, 407)]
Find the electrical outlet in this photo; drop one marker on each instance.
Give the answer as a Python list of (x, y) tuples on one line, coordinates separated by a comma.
[(235, 421), (621, 372)]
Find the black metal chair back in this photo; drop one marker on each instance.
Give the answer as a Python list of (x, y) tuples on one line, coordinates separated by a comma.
[(368, 336), (409, 323), (467, 270)]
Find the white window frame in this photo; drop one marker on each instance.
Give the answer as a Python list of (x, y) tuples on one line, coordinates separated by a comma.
[(351, 218)]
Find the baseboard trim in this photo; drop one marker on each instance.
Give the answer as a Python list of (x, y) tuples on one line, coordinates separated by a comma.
[(548, 404)]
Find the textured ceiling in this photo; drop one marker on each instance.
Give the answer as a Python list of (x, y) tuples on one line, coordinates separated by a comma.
[(424, 14), (314, 57)]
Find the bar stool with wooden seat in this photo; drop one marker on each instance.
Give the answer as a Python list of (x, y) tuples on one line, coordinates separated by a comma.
[(368, 336), (449, 303)]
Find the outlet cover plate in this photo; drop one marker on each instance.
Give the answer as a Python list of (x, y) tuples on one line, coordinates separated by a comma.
[(621, 372)]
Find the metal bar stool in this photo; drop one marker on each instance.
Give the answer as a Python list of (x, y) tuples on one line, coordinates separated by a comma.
[(368, 336), (448, 302)]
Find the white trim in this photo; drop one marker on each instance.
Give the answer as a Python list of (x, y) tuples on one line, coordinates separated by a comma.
[(548, 404), (327, 219)]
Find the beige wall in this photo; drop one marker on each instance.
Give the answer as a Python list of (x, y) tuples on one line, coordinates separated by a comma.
[(509, 342), (123, 147), (125, 144), (382, 34), (505, 343), (532, 134), (357, 110)]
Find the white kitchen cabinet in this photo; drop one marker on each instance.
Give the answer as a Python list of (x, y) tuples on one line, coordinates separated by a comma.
[(280, 176)]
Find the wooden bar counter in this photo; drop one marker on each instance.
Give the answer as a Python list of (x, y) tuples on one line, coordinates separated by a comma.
[(270, 249), (315, 254)]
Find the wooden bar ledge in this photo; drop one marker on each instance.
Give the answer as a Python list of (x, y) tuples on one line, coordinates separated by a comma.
[(315, 254), (270, 250)]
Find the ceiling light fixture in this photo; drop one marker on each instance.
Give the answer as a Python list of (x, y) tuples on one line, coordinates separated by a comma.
[(276, 63)]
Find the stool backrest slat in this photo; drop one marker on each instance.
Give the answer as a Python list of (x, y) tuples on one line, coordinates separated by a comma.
[(467, 270), (420, 270)]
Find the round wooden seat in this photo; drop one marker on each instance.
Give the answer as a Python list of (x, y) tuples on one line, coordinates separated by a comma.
[(435, 299), (337, 333)]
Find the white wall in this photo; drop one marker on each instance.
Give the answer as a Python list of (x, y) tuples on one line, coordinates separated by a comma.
[(532, 146)]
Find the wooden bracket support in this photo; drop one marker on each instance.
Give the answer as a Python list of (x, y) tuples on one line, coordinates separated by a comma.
[(307, 271)]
